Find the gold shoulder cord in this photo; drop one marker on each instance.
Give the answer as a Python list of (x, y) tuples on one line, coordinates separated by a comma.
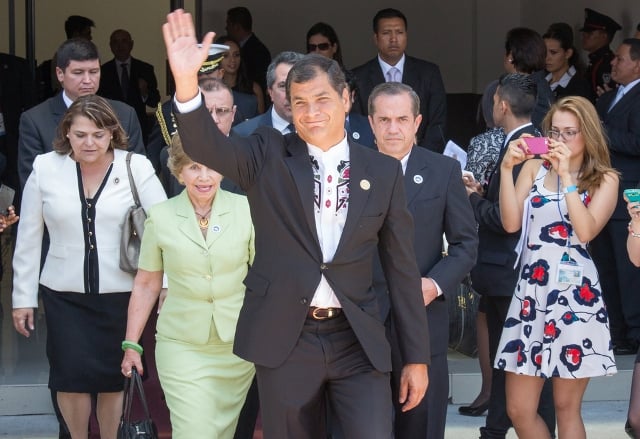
[(163, 126)]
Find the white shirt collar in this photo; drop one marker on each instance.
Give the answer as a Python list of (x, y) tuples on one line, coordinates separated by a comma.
[(67, 100), (386, 67), (563, 81), (508, 138), (278, 122), (404, 160), (630, 85)]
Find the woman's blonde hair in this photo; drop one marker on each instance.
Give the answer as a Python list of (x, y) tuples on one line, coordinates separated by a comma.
[(178, 159), (596, 162), (99, 111)]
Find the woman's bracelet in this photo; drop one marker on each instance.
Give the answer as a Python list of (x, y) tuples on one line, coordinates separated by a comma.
[(135, 346), (631, 232)]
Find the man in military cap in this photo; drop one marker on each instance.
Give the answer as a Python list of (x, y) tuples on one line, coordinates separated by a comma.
[(165, 126), (597, 32)]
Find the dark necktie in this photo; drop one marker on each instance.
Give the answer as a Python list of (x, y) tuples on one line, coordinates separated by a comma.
[(292, 128), (124, 80)]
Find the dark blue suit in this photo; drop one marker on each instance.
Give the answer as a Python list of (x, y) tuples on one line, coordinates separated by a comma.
[(617, 274), (425, 79), (439, 205)]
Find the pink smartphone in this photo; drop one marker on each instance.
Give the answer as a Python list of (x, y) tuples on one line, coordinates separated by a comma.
[(537, 145)]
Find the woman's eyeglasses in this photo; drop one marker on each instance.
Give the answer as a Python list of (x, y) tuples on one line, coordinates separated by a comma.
[(566, 135), (321, 46)]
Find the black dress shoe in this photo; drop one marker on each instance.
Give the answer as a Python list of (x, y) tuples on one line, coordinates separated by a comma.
[(629, 430), (625, 347), (469, 410)]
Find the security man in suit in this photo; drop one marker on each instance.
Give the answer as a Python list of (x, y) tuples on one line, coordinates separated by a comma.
[(494, 275), (78, 71), (619, 111), (439, 205), (597, 32), (129, 79), (393, 65), (322, 207)]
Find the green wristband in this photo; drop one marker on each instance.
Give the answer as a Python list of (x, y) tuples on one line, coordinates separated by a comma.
[(132, 345)]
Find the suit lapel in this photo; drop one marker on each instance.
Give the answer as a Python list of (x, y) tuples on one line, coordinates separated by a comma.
[(416, 176), (622, 105), (359, 189), (184, 211), (300, 167), (220, 219)]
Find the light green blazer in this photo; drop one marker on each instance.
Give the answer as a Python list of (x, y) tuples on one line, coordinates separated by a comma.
[(205, 276)]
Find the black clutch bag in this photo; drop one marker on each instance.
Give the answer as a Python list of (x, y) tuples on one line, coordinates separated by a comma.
[(135, 429)]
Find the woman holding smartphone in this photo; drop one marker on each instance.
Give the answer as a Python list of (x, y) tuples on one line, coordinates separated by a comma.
[(557, 325)]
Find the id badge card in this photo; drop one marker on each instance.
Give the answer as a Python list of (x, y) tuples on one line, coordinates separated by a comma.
[(569, 272)]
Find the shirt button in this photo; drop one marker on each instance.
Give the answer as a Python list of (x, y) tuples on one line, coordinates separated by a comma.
[(323, 267), (91, 247), (210, 300), (89, 219), (208, 277), (90, 233), (304, 300)]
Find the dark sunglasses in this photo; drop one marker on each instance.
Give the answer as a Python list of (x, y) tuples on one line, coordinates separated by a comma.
[(321, 46)]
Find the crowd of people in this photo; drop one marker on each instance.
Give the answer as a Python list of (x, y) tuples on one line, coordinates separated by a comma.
[(297, 267)]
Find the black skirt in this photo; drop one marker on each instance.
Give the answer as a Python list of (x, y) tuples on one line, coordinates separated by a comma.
[(84, 336)]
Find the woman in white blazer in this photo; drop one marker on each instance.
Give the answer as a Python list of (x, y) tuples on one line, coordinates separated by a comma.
[(80, 192)]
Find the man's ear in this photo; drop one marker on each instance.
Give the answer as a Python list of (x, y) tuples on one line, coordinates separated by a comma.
[(59, 74)]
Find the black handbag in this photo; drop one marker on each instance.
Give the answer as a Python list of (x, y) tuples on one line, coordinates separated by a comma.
[(463, 308), (139, 429), (132, 228)]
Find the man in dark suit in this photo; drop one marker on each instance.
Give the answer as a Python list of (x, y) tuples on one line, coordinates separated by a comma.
[(278, 115), (17, 94), (254, 53), (129, 80), (619, 111), (78, 71), (322, 208), (75, 26), (439, 205), (392, 64), (494, 275)]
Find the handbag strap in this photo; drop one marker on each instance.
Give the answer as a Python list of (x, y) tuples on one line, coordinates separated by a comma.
[(132, 182), (133, 384)]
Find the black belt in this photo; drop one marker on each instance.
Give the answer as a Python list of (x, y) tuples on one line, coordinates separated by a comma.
[(316, 313)]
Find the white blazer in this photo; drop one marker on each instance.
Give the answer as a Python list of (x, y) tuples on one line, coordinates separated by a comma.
[(51, 198)]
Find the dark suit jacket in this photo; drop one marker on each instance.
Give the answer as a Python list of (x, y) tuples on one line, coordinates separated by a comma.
[(246, 106), (494, 274), (247, 127), (39, 125), (17, 94), (439, 205), (425, 79), (622, 125), (256, 59), (110, 88), (359, 130), (275, 172)]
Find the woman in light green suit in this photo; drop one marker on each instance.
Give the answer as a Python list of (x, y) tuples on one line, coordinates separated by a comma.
[(202, 240)]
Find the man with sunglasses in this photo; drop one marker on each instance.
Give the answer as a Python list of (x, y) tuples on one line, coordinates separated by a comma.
[(619, 110), (278, 115), (393, 65)]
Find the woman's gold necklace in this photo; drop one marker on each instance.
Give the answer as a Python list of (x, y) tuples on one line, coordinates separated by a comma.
[(203, 221)]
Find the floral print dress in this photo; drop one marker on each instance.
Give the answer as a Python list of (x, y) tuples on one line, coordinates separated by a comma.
[(554, 329)]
